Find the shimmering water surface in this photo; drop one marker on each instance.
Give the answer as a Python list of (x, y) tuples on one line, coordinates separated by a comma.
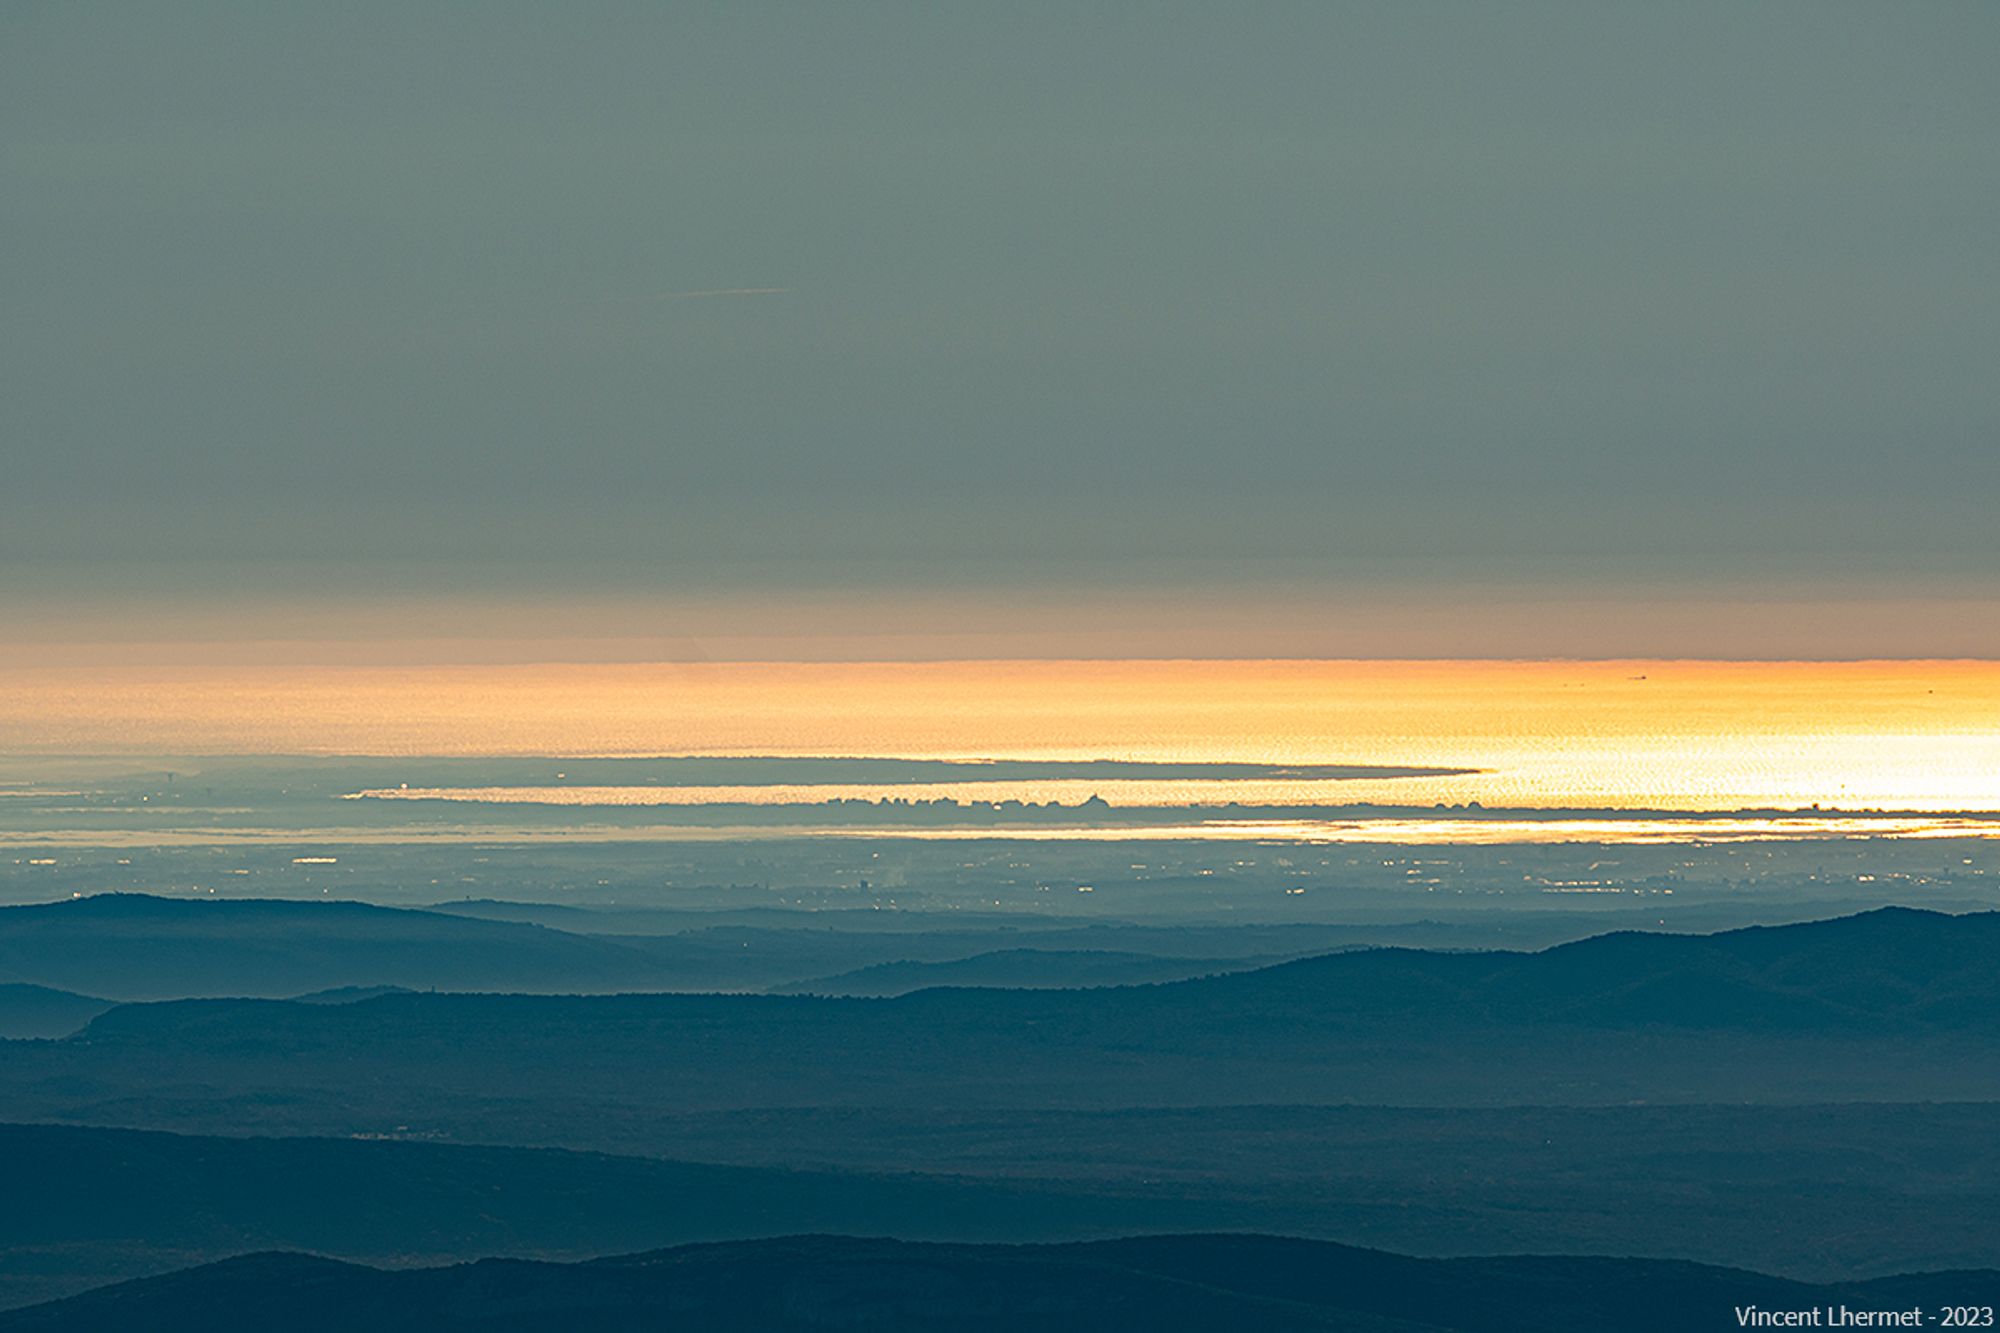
[(1914, 737)]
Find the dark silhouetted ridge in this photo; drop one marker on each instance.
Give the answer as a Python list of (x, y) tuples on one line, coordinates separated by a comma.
[(825, 1282)]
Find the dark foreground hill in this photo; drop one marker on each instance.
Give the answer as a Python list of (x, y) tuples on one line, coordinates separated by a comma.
[(1820, 1193), (822, 1282), (87, 1205)]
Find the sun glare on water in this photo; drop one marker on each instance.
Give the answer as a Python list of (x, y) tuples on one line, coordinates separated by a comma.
[(1915, 736)]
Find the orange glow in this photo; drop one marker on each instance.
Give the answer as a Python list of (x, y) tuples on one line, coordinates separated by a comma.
[(1672, 735), (1387, 832)]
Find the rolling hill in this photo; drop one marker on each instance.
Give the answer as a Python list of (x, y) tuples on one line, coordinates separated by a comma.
[(1891, 1005), (140, 947), (28, 1010), (1019, 969)]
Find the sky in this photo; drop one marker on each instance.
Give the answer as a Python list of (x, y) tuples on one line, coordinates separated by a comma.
[(873, 330)]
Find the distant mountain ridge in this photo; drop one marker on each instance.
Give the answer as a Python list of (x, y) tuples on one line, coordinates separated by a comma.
[(1896, 1004), (140, 947), (30, 1011), (1021, 969), (1892, 965), (131, 946), (128, 946), (1891, 968), (881, 1286)]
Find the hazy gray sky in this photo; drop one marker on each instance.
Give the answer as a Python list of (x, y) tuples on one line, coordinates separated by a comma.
[(1376, 301)]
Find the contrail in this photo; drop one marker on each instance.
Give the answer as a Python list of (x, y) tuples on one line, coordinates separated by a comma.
[(723, 291)]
